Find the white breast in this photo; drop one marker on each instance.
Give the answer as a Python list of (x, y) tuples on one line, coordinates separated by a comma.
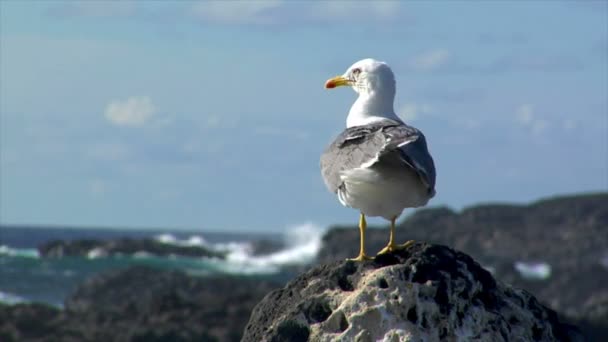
[(382, 190)]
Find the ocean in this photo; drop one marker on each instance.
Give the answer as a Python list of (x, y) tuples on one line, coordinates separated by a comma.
[(27, 277)]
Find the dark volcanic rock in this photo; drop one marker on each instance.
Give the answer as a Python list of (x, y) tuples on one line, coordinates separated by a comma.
[(573, 227), (28, 322), (60, 248), (141, 304), (427, 292), (569, 234)]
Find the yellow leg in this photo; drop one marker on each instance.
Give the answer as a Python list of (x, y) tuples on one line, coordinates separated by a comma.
[(362, 226), (391, 246)]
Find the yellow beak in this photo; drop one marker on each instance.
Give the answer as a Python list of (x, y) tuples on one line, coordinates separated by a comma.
[(337, 81)]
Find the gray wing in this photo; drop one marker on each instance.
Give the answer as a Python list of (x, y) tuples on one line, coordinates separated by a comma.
[(372, 143), (353, 147), (412, 147)]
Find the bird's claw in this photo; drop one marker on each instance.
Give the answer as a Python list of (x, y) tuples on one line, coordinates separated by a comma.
[(361, 257), (394, 247)]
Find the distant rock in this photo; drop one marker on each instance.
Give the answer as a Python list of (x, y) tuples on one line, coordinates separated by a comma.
[(100, 248), (141, 304), (425, 293), (567, 235), (578, 225)]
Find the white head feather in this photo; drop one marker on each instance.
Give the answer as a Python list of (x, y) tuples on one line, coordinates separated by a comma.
[(374, 81)]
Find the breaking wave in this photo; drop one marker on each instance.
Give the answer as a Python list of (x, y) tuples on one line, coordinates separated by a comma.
[(533, 270), (194, 240), (19, 252), (11, 299), (302, 243), (299, 246)]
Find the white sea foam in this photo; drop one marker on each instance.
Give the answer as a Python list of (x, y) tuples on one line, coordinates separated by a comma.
[(533, 270), (302, 243), (194, 240), (97, 252), (165, 238), (11, 299), (141, 255), (19, 252)]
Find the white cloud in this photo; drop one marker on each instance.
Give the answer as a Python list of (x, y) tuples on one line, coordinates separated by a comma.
[(526, 116), (350, 9), (430, 60), (233, 12), (134, 111), (282, 12), (539, 126), (411, 111), (265, 12)]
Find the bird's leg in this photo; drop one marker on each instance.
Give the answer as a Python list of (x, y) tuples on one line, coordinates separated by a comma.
[(391, 246), (362, 226)]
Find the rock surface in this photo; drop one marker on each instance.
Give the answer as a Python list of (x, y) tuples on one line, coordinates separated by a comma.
[(97, 248), (141, 304), (566, 235), (424, 293)]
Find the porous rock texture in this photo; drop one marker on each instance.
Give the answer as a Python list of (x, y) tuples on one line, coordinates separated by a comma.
[(568, 233), (423, 293)]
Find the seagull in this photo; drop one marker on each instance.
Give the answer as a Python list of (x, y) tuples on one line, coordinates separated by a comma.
[(378, 164)]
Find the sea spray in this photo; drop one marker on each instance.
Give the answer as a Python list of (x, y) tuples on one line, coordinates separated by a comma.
[(19, 252), (10, 299), (302, 243), (533, 270), (29, 276), (193, 240)]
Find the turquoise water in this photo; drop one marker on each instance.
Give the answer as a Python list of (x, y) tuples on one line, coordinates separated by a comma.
[(26, 277)]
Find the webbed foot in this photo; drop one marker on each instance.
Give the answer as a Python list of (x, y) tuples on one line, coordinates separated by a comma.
[(392, 247)]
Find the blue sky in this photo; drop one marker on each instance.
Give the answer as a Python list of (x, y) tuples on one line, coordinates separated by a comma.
[(212, 116)]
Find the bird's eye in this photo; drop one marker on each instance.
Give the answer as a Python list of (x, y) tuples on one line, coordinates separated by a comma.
[(356, 72)]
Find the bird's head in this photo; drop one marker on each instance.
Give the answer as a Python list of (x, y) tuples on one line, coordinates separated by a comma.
[(365, 76)]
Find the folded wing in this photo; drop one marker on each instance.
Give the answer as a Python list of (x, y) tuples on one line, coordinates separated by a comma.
[(364, 146)]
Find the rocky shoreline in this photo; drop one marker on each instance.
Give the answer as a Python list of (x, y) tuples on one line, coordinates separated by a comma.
[(95, 248), (569, 235), (141, 304), (101, 248)]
